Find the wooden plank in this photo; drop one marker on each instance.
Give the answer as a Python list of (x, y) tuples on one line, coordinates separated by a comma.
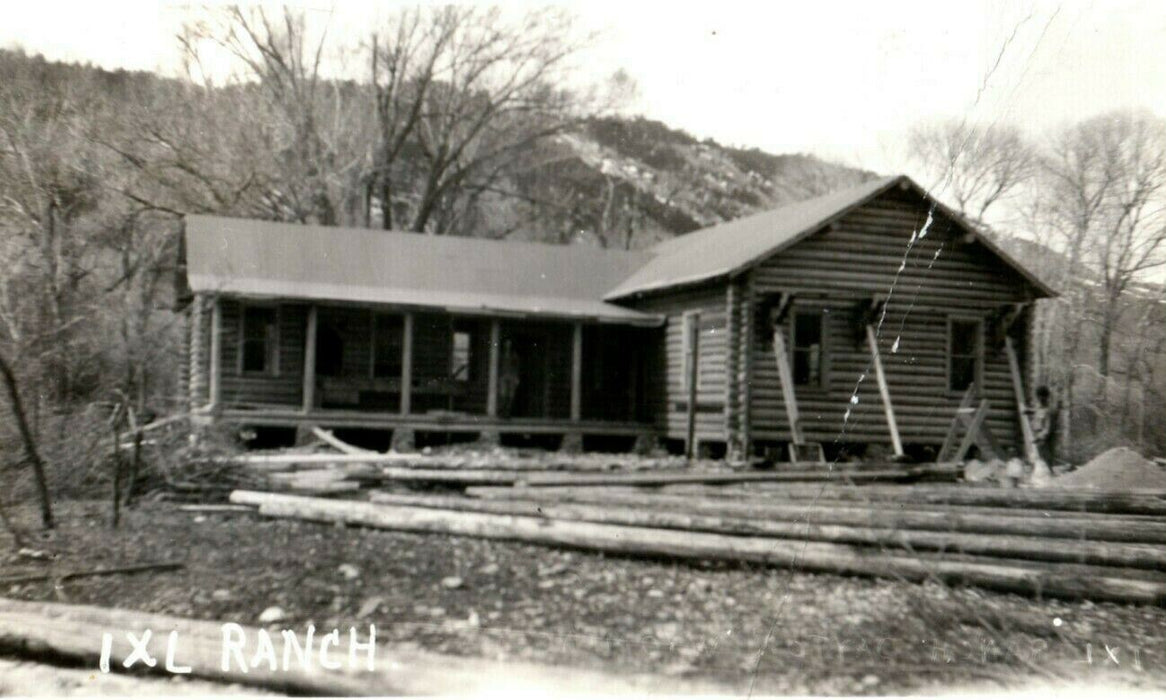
[(332, 440), (1030, 451), (407, 365), (577, 372), (884, 391), (1055, 580), (495, 358), (787, 386), (973, 429), (310, 335), (956, 423)]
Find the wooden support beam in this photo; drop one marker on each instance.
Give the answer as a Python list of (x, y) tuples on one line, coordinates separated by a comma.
[(692, 374), (1030, 451), (973, 426), (787, 386), (310, 336), (495, 356), (965, 407), (216, 359), (884, 390), (407, 365), (577, 372)]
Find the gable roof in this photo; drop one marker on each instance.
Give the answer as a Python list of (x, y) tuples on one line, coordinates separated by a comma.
[(728, 248), (468, 275)]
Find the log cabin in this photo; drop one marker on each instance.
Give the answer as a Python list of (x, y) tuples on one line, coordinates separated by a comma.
[(866, 318)]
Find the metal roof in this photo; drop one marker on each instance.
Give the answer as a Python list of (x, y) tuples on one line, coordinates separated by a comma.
[(730, 247), (465, 275)]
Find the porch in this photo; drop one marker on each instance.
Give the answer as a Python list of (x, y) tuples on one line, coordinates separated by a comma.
[(294, 364)]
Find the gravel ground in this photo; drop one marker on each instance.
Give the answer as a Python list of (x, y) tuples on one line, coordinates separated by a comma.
[(773, 630)]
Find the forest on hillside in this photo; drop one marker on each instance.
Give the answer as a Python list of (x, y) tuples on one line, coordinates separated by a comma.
[(458, 121)]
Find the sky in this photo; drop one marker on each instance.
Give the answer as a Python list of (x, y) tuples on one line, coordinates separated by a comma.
[(839, 79)]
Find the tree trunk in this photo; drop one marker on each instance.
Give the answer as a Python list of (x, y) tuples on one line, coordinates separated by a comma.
[(30, 451)]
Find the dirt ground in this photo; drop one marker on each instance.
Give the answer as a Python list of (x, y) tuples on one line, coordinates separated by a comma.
[(787, 632)]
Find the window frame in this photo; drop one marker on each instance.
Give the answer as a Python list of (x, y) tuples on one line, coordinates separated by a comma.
[(978, 356), (455, 330), (271, 356), (823, 353)]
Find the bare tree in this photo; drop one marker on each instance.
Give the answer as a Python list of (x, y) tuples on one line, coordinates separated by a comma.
[(979, 166), (32, 455), (462, 95), (1108, 180), (310, 133)]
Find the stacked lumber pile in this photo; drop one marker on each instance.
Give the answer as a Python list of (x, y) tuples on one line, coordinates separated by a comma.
[(332, 467), (1095, 545)]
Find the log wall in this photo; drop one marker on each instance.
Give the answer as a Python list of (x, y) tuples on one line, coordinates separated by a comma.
[(671, 394), (283, 386), (832, 271)]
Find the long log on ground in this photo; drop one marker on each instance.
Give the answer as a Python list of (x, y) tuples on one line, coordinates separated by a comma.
[(895, 516), (503, 462), (1134, 556), (694, 477), (1119, 502), (1056, 580), (109, 571), (75, 632)]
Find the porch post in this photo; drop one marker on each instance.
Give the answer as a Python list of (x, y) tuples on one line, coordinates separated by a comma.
[(216, 362), (407, 366), (577, 373), (310, 359), (495, 353)]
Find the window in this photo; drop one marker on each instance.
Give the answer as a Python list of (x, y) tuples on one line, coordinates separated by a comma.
[(807, 348), (965, 344), (260, 342), (388, 334), (459, 359)]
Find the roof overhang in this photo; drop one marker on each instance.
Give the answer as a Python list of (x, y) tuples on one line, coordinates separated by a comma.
[(450, 302)]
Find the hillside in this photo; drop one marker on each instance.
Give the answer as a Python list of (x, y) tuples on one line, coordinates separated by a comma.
[(634, 180), (611, 181)]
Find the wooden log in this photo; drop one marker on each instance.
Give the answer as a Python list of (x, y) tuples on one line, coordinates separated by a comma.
[(694, 477), (1117, 502), (333, 441), (308, 390), (75, 632), (1030, 451), (406, 402), (583, 462), (1056, 580), (884, 390), (893, 516), (1030, 548), (107, 571)]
